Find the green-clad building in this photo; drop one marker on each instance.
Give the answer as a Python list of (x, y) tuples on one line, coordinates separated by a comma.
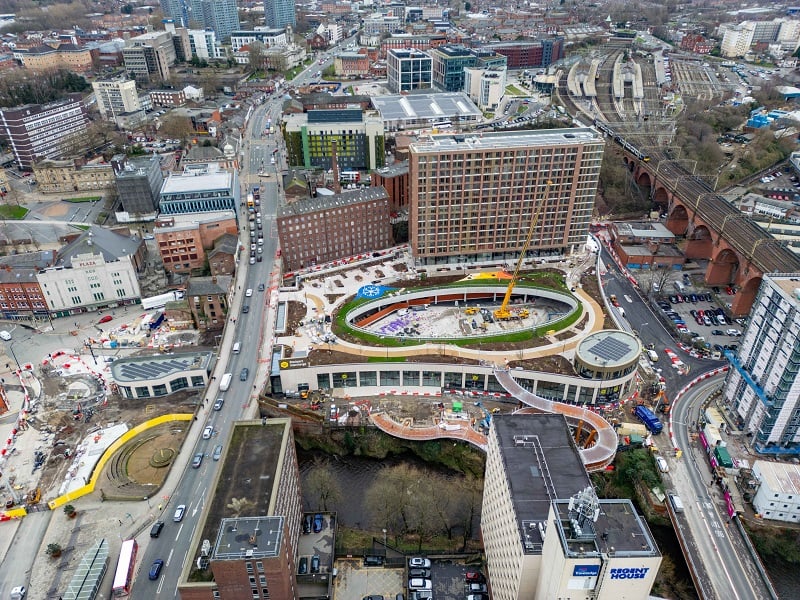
[(358, 137)]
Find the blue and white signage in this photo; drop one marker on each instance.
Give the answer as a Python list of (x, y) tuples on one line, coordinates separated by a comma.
[(372, 291), (586, 570), (629, 573)]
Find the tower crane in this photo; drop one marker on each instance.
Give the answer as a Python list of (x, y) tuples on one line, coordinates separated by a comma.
[(503, 313)]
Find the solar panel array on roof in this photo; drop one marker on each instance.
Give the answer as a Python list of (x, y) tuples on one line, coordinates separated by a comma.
[(154, 370), (610, 349)]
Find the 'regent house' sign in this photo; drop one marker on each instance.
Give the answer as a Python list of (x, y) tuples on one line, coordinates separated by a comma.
[(629, 573)]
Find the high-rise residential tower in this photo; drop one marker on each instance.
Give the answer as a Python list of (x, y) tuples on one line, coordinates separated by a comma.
[(763, 387), (279, 13), (473, 195)]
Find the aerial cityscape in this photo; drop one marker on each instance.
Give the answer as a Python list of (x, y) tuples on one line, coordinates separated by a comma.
[(399, 301)]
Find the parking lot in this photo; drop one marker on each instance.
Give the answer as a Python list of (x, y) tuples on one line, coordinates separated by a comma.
[(355, 581), (698, 313)]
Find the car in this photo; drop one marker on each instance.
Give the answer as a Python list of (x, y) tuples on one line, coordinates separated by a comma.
[(673, 300), (244, 374), (302, 568), (260, 249), (478, 597), (253, 260), (252, 247), (694, 313), (477, 588), (18, 592), (179, 512), (418, 572), (155, 569), (733, 332), (475, 576), (217, 452), (707, 321), (693, 298), (373, 560), (419, 562), (246, 308), (373, 597), (420, 584), (261, 287), (717, 332), (715, 289), (317, 523), (249, 292), (155, 530), (4, 335), (218, 404), (307, 520), (699, 320), (259, 258), (208, 432), (105, 319), (197, 460), (315, 564), (662, 464), (730, 291)]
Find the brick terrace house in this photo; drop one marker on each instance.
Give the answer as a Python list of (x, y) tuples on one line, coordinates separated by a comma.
[(222, 257), (208, 301)]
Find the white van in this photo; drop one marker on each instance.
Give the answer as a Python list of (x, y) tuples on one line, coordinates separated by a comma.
[(679, 287), (652, 355), (237, 347), (677, 504), (225, 382)]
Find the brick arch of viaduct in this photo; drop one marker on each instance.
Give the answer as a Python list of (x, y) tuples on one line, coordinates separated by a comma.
[(726, 265)]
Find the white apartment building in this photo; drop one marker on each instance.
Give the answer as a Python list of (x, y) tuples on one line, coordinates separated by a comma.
[(485, 87), (778, 495), (204, 44), (736, 39), (99, 269), (762, 387), (269, 37), (115, 97), (377, 24), (789, 35), (545, 534)]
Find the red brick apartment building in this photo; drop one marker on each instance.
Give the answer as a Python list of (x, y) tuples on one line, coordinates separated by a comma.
[(253, 551), (394, 179), (182, 240), (328, 228)]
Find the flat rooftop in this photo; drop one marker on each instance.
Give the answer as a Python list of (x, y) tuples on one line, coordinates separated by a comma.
[(505, 139), (250, 468), (542, 465), (645, 230), (145, 368), (182, 222), (619, 530), (609, 348), (789, 284), (452, 105), (779, 477), (198, 180), (248, 537)]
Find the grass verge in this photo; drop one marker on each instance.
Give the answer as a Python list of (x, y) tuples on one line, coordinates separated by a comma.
[(12, 212)]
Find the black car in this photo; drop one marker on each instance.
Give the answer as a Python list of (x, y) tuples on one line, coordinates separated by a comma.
[(307, 524), (155, 530), (246, 308), (315, 564), (244, 374), (717, 332), (260, 287), (302, 569)]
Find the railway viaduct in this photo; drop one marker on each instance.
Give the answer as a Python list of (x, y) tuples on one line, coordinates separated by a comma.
[(739, 252)]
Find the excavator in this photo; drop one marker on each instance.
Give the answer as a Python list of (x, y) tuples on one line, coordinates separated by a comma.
[(502, 313)]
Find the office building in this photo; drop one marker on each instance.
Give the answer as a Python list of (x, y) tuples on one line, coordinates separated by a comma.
[(97, 269), (168, 98), (402, 41), (183, 240), (253, 549), (440, 111), (408, 70), (485, 86), (526, 55), (473, 196), (200, 188), (448, 64), (38, 131), (763, 388), (545, 533), (265, 35), (149, 56), (59, 176), (204, 44), (138, 181), (143, 377), (279, 13), (319, 230), (357, 136), (736, 39), (116, 97)]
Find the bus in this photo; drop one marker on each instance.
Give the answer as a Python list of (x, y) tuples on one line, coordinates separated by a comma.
[(123, 578), (442, 124)]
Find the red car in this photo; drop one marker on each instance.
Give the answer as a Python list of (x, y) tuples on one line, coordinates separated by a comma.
[(474, 577), (105, 319)]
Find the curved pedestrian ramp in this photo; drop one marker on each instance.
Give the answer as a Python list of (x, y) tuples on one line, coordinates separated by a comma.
[(599, 446)]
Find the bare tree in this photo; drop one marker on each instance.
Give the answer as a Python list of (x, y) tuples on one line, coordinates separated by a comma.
[(256, 55), (174, 126), (323, 486)]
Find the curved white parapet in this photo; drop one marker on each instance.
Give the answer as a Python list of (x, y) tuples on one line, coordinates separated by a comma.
[(595, 457)]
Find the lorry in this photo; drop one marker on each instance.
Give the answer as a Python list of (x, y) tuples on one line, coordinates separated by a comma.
[(646, 416), (225, 382)]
